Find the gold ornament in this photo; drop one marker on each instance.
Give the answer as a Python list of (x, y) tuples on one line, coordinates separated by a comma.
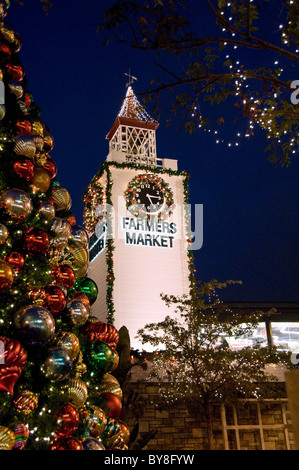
[(110, 384), (7, 438), (80, 368), (24, 145), (75, 392), (40, 180), (3, 234), (61, 198), (37, 128), (6, 275), (115, 361), (68, 341), (80, 255)]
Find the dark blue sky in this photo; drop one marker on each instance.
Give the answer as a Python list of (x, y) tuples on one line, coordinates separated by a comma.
[(251, 209)]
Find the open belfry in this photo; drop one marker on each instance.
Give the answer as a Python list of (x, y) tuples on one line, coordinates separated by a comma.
[(136, 215)]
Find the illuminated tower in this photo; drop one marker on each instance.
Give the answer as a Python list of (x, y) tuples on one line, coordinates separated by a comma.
[(134, 215)]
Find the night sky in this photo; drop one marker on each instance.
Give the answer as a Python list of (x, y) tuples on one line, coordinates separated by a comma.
[(251, 207)]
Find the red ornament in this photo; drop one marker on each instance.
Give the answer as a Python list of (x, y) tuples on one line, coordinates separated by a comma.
[(12, 364), (23, 127), (36, 241), (23, 167), (27, 99), (69, 443), (50, 167), (113, 404), (64, 275), (67, 420), (5, 51), (16, 261), (15, 72), (100, 331), (82, 297), (54, 299)]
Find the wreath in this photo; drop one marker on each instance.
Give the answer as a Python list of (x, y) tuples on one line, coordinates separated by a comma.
[(139, 211)]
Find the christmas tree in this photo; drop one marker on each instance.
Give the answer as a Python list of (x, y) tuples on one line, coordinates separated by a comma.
[(56, 386)]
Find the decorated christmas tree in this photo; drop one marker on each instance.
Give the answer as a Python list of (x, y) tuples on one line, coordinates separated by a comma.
[(56, 386)]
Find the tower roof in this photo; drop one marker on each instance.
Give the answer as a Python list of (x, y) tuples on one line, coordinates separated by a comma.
[(131, 108), (132, 113)]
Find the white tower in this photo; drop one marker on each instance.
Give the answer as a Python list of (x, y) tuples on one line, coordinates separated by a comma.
[(134, 213)]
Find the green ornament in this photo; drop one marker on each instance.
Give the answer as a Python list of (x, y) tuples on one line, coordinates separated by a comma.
[(88, 287), (99, 357)]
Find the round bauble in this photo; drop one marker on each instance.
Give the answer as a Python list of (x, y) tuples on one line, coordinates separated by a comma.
[(46, 211), (48, 140), (68, 443), (67, 420), (15, 205), (3, 234), (17, 89), (50, 167), (99, 357), (25, 402), (24, 145), (64, 275), (61, 230), (40, 180), (75, 392), (68, 341), (57, 364), (97, 421), (39, 142), (113, 405), (12, 364), (36, 241), (61, 198), (79, 236), (21, 432), (7, 438), (54, 299), (110, 384), (35, 324), (77, 312), (90, 443), (83, 298), (88, 287), (6, 275), (78, 255), (15, 260)]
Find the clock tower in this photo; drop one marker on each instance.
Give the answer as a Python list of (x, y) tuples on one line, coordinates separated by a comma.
[(135, 215)]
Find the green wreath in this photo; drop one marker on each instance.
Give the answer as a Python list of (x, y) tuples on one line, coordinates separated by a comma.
[(139, 211)]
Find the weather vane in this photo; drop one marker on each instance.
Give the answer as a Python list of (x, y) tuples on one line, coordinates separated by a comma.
[(131, 78)]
